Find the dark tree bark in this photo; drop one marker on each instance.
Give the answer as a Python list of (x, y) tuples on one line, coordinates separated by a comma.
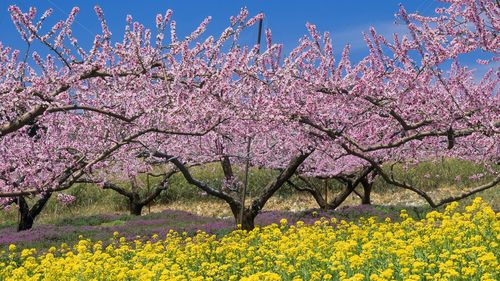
[(226, 167), (367, 189), (233, 200), (135, 208), (274, 185), (389, 178), (247, 220), (136, 203), (350, 183), (27, 215), (316, 194), (342, 196)]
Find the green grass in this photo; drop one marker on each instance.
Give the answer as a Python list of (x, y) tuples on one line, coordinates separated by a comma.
[(89, 220), (93, 200), (442, 172)]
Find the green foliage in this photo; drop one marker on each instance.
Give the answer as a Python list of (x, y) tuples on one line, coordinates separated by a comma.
[(93, 200), (436, 174), (89, 220), (213, 175), (89, 194), (113, 223)]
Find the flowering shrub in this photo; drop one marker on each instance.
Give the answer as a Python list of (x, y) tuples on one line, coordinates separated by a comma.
[(448, 245), (65, 199)]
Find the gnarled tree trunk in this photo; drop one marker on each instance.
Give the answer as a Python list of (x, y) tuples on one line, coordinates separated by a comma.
[(248, 220), (233, 200), (136, 203), (245, 220), (27, 215), (316, 194), (135, 206), (350, 183), (367, 189)]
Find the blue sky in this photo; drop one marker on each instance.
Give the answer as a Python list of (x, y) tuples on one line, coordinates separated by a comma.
[(345, 20)]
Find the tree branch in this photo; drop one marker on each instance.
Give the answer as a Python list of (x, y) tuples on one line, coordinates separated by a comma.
[(163, 185), (313, 191), (190, 179), (282, 178), (93, 109), (421, 193), (305, 120), (115, 187)]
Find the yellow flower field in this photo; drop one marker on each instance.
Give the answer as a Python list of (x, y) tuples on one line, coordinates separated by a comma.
[(450, 245)]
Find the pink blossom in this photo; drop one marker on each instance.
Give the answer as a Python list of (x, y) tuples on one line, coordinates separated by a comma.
[(66, 199)]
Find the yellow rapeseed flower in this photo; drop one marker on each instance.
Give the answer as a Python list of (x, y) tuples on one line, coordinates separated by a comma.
[(446, 245)]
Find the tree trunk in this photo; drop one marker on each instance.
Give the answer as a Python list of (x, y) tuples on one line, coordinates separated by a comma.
[(342, 196), (367, 189), (25, 219), (25, 223), (316, 194), (247, 221), (322, 203), (135, 203), (27, 215), (249, 214), (135, 206)]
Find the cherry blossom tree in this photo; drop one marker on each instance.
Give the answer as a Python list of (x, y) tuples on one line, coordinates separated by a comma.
[(66, 117), (251, 132), (70, 117), (398, 102), (125, 176), (248, 137)]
